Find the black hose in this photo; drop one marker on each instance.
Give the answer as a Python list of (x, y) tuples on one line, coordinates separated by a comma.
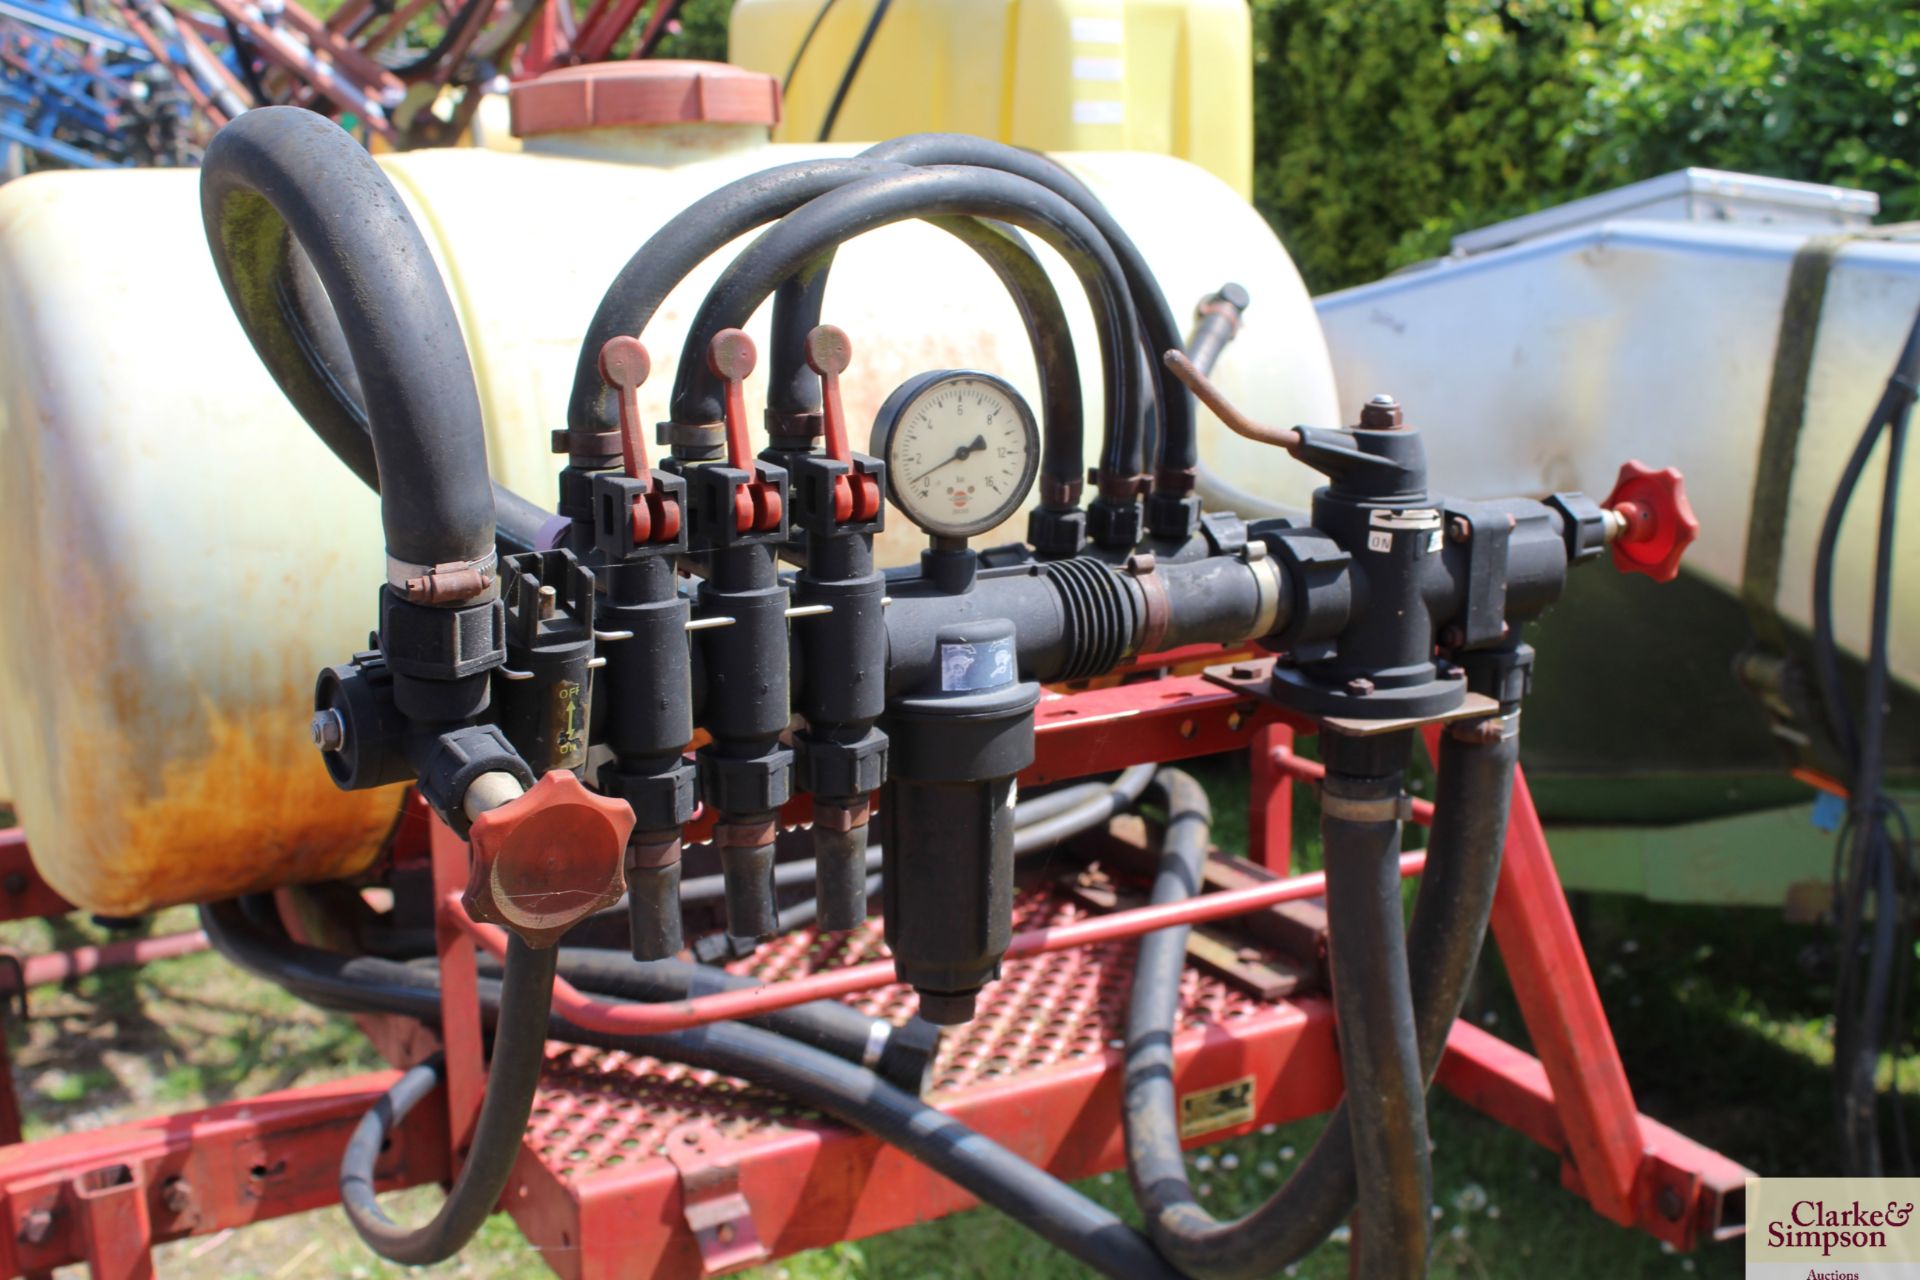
[(745, 205), (513, 1075), (340, 297), (797, 241), (806, 42), (1873, 860), (1178, 450), (852, 1094), (1472, 803), (793, 388), (749, 203), (1373, 1009), (852, 70)]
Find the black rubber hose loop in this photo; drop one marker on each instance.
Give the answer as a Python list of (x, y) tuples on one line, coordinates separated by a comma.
[(337, 291), (796, 243), (1471, 806), (748, 204), (513, 1075), (1178, 446)]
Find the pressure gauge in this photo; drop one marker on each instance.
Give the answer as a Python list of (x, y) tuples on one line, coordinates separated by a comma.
[(961, 449)]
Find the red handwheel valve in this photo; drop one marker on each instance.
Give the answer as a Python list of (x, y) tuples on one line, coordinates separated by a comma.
[(548, 859), (856, 496), (1653, 524)]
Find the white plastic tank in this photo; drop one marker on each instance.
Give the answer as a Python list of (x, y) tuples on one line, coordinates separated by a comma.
[(182, 555), (1651, 339)]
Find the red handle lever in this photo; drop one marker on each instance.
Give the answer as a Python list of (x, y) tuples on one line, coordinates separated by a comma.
[(549, 859), (1657, 522), (829, 352), (624, 365), (731, 356)]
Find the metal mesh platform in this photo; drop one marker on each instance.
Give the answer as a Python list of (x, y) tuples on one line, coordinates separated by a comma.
[(600, 1112)]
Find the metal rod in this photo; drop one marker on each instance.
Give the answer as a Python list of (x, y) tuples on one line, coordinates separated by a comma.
[(59, 966), (1215, 399), (629, 1019)]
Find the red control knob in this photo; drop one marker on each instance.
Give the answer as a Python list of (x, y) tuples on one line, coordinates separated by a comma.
[(1657, 523), (548, 859)]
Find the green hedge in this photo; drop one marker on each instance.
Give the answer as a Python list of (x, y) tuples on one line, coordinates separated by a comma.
[(1384, 128)]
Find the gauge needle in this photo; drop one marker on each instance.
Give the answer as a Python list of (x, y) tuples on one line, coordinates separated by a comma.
[(979, 443)]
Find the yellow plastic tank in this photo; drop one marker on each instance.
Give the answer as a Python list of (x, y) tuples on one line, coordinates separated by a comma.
[(182, 555), (1168, 76)]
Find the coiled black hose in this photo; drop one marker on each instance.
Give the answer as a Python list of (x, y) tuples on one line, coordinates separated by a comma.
[(513, 1074), (1472, 803), (750, 203), (821, 224), (849, 1093), (341, 299)]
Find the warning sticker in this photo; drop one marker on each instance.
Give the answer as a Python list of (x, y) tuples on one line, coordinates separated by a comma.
[(1220, 1107)]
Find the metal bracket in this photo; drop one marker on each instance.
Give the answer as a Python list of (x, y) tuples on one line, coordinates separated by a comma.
[(711, 1200), (1255, 679)]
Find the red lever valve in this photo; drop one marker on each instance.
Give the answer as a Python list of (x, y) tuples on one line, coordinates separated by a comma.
[(624, 365), (548, 859), (1657, 523), (856, 495), (756, 504)]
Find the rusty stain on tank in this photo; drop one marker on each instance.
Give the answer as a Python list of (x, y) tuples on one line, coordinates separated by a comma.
[(246, 816)]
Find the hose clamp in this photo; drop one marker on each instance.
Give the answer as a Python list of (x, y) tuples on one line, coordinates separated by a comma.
[(449, 583), (1266, 584), (1380, 809), (1488, 730), (877, 1033)]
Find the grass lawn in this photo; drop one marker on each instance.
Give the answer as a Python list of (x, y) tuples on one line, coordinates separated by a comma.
[(1720, 1014)]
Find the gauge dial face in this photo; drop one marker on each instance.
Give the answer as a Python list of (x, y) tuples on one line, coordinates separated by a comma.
[(961, 450)]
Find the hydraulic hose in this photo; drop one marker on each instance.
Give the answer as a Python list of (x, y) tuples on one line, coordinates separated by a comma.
[(1178, 450), (1373, 1005), (339, 296), (748, 204), (1472, 803), (249, 934), (1873, 853), (794, 389), (798, 240), (850, 1093), (513, 1074)]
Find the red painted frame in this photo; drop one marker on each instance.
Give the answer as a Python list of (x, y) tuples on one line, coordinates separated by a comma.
[(811, 1187)]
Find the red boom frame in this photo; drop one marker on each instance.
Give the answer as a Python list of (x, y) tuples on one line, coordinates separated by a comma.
[(718, 1201)]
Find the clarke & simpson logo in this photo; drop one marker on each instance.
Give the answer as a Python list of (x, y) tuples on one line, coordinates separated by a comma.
[(1833, 1229)]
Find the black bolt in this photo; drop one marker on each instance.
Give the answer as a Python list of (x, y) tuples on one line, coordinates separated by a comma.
[(15, 883), (1670, 1204)]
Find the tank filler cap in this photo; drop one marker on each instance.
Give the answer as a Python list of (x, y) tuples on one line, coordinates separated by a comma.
[(641, 93)]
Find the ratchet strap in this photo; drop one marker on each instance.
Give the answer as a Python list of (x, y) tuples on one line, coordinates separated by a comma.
[(1769, 669)]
